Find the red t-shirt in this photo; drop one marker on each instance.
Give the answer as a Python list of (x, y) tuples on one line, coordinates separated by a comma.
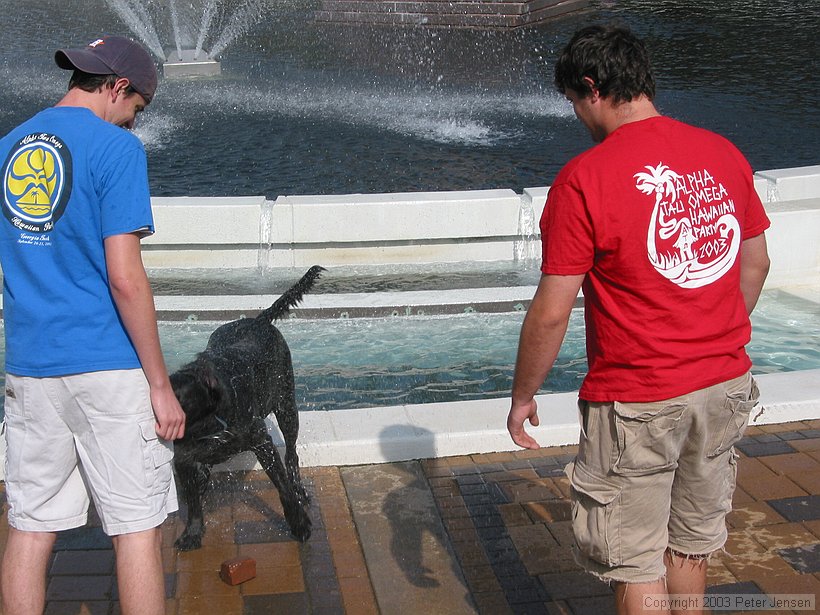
[(655, 216)]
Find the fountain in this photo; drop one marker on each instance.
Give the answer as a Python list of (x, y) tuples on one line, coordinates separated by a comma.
[(419, 145), (192, 25)]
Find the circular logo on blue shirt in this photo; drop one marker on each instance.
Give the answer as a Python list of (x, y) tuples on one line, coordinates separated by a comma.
[(36, 182)]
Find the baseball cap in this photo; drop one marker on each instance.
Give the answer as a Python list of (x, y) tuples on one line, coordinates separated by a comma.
[(115, 55)]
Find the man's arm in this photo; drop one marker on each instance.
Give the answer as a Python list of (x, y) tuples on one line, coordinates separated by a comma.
[(541, 336), (135, 304), (754, 267)]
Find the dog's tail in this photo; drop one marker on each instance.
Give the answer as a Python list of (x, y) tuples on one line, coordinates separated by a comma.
[(293, 295)]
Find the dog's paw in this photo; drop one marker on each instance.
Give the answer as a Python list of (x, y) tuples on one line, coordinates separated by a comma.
[(188, 542), (300, 525)]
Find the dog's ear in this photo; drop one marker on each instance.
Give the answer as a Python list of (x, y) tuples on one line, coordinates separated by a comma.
[(211, 381)]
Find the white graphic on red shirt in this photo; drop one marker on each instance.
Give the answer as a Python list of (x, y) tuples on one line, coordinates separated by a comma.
[(693, 237)]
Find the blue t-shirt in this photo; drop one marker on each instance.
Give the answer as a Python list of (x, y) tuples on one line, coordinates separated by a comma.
[(69, 180)]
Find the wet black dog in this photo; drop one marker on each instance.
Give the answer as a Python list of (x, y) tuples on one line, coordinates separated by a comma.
[(243, 375)]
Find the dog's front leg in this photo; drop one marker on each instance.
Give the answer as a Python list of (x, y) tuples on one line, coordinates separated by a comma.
[(190, 479)]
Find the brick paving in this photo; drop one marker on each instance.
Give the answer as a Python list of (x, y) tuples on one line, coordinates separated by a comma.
[(491, 532)]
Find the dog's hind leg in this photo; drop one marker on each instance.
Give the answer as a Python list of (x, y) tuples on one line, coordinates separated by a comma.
[(283, 407), (294, 505), (193, 480)]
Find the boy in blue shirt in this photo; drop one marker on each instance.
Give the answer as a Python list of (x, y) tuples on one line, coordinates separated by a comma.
[(90, 412)]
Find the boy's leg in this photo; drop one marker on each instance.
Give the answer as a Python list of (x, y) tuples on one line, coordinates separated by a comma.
[(139, 572), (24, 571)]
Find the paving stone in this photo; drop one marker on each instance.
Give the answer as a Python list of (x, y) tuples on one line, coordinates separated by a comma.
[(282, 580), (755, 513), (766, 437), (791, 464), (492, 603), (813, 525), (97, 562), (293, 604), (762, 483), (531, 491), (83, 538), (718, 573), (562, 532), (549, 511), (85, 607), (558, 608), (742, 544), (573, 585), (275, 530), (792, 584), (409, 555), (781, 535), (801, 508), (514, 514), (808, 445), (80, 587), (492, 532), (791, 435), (804, 558), (517, 464), (743, 587), (761, 449), (596, 605), (752, 566), (740, 497), (550, 472)]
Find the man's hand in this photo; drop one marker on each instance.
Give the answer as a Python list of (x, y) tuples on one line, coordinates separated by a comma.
[(169, 414), (515, 423)]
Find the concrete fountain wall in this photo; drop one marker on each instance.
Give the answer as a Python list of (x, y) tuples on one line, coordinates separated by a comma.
[(424, 227), (485, 225)]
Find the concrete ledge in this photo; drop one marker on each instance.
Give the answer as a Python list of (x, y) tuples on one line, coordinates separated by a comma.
[(791, 184), (423, 227), (400, 433), (402, 216)]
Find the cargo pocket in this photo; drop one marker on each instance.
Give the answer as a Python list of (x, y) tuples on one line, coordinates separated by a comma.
[(157, 457), (649, 437), (596, 515), (733, 420)]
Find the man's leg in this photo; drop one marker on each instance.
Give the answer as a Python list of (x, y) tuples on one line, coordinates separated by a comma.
[(139, 572), (631, 598), (685, 575), (24, 571)]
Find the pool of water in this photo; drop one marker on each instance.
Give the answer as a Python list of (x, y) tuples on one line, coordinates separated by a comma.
[(311, 108), (369, 362)]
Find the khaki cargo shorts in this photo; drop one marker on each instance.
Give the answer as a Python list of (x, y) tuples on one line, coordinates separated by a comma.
[(92, 433), (652, 476)]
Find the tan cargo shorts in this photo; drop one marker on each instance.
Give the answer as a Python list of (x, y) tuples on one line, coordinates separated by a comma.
[(92, 433), (652, 476)]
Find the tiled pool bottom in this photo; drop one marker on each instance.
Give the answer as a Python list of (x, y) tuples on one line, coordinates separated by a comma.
[(488, 534)]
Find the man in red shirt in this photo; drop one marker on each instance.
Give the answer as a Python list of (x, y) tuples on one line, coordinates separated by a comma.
[(661, 227)]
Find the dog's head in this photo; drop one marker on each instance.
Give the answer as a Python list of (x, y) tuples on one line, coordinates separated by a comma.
[(198, 390)]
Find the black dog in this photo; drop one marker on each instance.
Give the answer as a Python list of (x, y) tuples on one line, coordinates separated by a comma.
[(243, 375)]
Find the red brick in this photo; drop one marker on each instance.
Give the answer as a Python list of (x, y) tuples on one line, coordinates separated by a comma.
[(238, 570)]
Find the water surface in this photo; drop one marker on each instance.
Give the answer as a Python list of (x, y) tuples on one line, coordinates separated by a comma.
[(311, 108)]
